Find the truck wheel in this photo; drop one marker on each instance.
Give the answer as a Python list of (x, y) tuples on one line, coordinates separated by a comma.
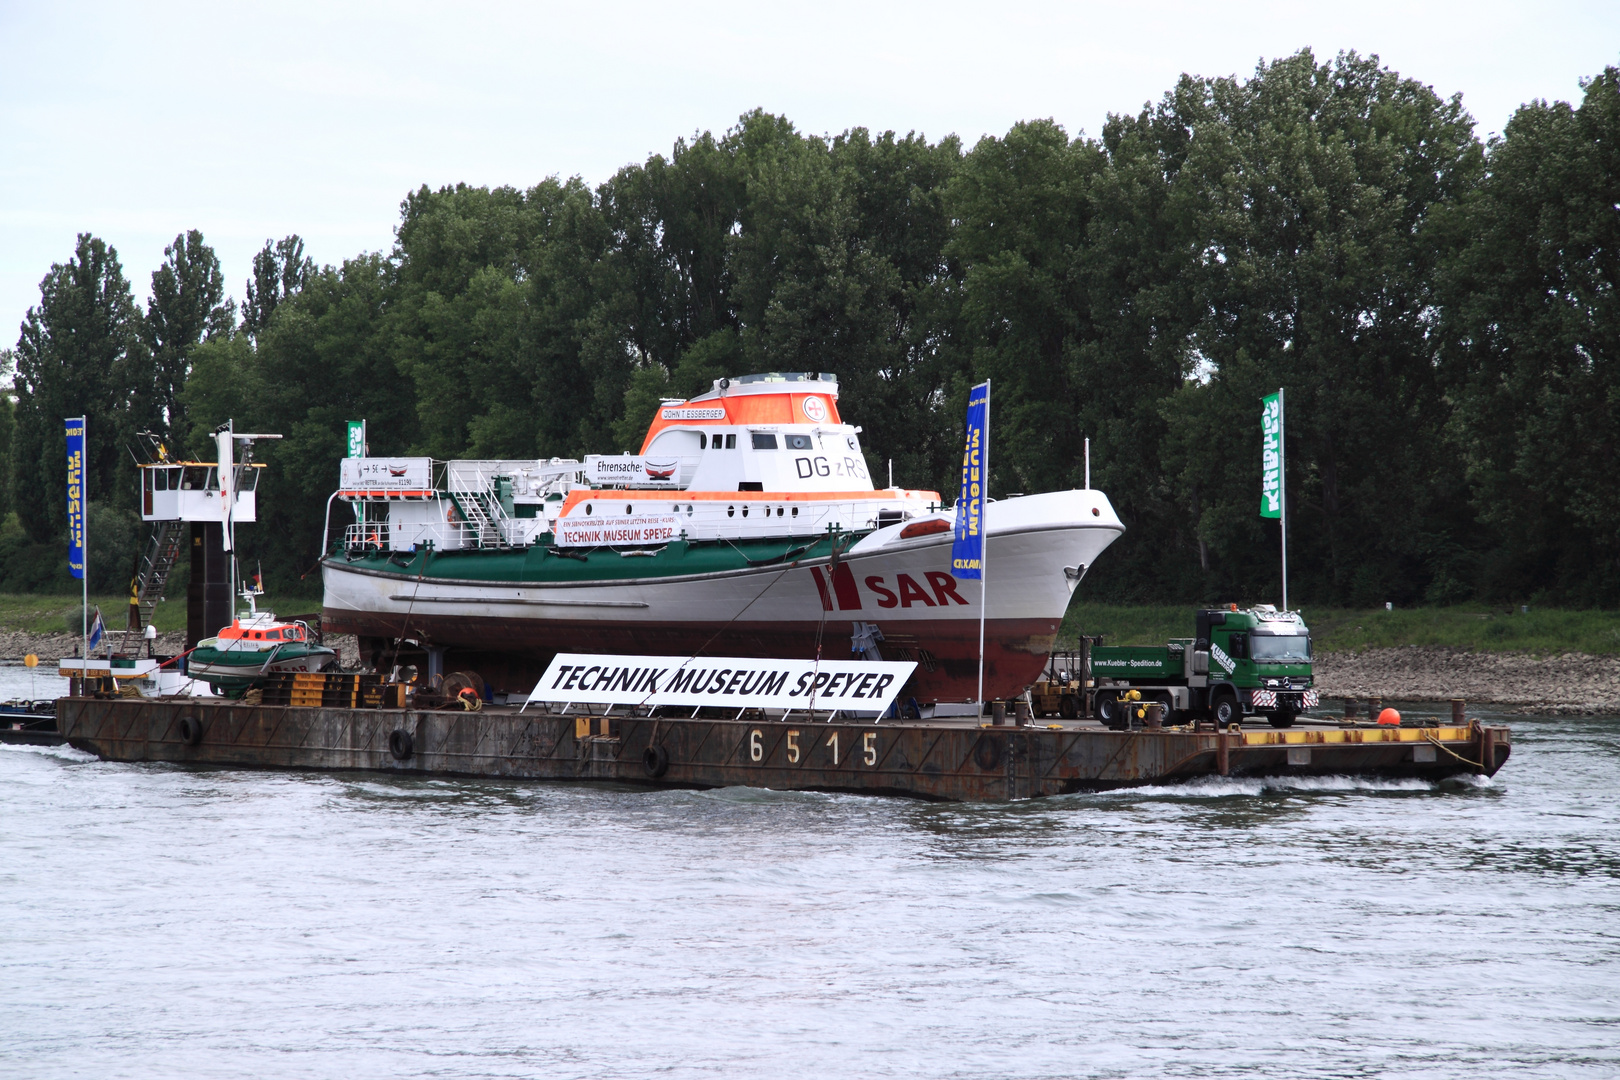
[(1281, 719), (1110, 712), (1068, 707), (1225, 709)]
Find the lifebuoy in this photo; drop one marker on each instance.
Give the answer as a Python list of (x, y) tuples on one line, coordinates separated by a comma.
[(400, 744)]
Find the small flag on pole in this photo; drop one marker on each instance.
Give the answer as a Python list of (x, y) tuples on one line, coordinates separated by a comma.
[(96, 630)]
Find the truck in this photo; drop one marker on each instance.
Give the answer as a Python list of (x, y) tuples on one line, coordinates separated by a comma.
[(1240, 662)]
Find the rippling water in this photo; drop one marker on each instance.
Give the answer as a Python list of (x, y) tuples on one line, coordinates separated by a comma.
[(163, 921)]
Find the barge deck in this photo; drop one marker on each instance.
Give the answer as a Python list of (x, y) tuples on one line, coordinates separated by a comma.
[(946, 759)]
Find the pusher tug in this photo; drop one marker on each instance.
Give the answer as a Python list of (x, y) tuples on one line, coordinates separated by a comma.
[(747, 526)]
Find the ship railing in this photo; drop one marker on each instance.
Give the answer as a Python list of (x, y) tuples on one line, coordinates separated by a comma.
[(366, 536)]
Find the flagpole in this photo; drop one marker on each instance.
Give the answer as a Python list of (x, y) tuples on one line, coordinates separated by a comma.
[(984, 548), (1282, 485)]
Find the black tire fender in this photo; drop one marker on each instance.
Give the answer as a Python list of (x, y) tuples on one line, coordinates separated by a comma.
[(401, 745), (655, 759), (191, 730), (987, 753)]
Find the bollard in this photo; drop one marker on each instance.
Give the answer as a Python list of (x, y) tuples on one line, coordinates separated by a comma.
[(1375, 705), (1154, 720), (1457, 711), (998, 712), (1350, 708)]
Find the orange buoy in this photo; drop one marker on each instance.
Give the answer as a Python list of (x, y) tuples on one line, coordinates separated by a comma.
[(1390, 716)]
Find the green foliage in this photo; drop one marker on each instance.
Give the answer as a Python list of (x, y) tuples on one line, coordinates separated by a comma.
[(1534, 331), (1442, 314), (79, 353), (188, 304), (47, 613)]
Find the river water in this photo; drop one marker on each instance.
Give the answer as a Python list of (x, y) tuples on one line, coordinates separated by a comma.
[(164, 921)]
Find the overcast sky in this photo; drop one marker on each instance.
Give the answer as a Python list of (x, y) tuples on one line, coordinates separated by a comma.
[(137, 121)]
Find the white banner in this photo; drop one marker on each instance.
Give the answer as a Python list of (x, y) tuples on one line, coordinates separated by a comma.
[(617, 529), (633, 470), (386, 474), (733, 682)]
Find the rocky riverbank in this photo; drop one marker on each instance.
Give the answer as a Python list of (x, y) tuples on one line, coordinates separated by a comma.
[(15, 644), (1566, 684), (1571, 683)]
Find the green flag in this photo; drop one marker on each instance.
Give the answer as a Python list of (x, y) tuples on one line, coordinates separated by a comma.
[(357, 438), (1271, 478)]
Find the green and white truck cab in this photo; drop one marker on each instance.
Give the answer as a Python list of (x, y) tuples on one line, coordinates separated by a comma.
[(1240, 662)]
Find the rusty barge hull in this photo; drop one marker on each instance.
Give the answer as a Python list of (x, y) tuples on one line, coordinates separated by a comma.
[(916, 759)]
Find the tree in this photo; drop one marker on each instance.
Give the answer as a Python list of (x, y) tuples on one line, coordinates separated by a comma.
[(1308, 199), (188, 305), (79, 353), (280, 271), (1533, 319)]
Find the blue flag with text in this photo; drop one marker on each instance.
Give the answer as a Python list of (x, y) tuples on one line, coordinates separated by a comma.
[(74, 428), (967, 550)]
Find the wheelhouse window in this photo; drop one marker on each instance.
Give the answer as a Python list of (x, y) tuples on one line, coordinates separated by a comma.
[(798, 442), (764, 440)]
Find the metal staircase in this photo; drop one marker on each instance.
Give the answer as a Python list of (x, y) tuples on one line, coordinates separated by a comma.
[(486, 529), (157, 563)]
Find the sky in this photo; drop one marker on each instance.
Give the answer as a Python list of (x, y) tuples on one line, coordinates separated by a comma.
[(249, 122)]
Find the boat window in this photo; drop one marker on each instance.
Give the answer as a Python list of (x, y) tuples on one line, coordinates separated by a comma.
[(764, 441), (1281, 647), (719, 440), (731, 442), (246, 478), (703, 441), (196, 478), (798, 442)]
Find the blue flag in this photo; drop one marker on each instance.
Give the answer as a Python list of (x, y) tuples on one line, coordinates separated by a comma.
[(75, 494), (967, 551)]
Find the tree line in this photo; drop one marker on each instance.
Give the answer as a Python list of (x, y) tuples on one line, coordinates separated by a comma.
[(1442, 312)]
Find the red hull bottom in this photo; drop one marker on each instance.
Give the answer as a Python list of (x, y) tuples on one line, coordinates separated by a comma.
[(946, 651)]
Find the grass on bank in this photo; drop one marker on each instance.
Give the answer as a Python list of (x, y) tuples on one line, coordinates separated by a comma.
[(1477, 627), (42, 613)]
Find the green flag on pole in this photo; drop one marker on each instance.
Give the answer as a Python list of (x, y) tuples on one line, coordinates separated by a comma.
[(1271, 421), (357, 438)]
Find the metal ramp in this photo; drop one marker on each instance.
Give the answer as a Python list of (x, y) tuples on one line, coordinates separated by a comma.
[(157, 563)]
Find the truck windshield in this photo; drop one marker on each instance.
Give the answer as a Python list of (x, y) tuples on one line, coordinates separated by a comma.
[(1280, 647)]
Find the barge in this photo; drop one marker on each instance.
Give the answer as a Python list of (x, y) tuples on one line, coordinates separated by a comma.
[(944, 759)]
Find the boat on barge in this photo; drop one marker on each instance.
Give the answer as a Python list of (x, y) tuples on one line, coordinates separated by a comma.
[(748, 525)]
